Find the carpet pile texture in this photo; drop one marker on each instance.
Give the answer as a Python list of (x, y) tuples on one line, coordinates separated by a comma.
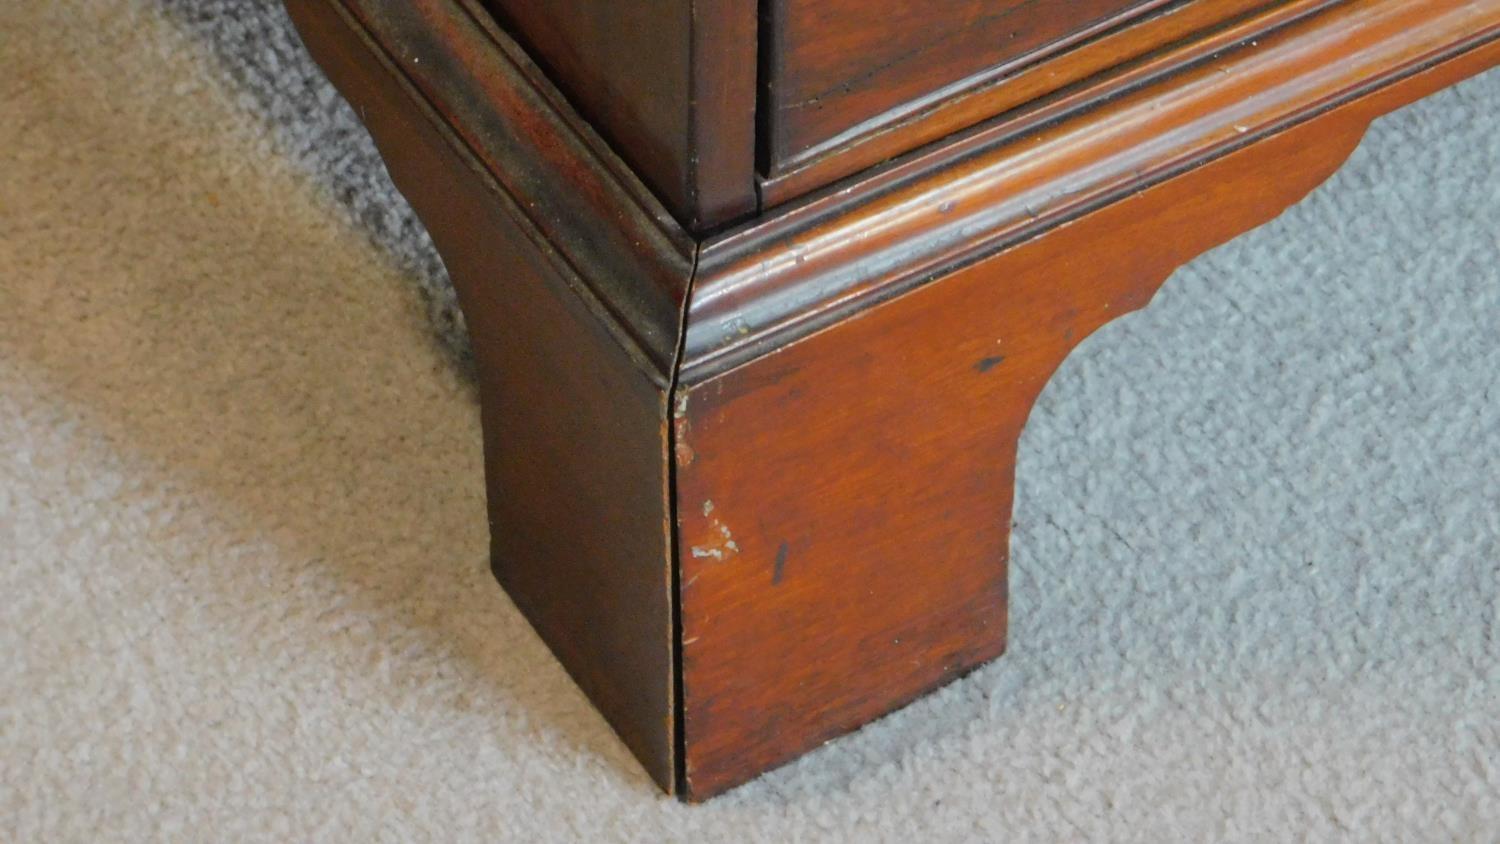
[(243, 586)]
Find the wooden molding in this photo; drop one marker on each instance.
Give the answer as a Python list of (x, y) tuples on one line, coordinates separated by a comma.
[(620, 246), (1092, 55), (766, 284)]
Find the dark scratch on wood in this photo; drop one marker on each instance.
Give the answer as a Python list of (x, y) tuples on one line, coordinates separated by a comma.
[(780, 569), (989, 363)]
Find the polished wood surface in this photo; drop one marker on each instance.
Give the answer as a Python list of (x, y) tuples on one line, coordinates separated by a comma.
[(671, 83), (1168, 37), (835, 64), (872, 523), (569, 277), (857, 374), (775, 279), (753, 487)]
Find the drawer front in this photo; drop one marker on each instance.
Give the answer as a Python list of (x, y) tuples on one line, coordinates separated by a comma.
[(838, 64)]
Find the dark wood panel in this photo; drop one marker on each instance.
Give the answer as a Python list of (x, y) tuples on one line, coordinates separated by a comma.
[(836, 64), (670, 83), (572, 380)]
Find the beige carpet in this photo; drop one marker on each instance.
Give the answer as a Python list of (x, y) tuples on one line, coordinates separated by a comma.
[(243, 589)]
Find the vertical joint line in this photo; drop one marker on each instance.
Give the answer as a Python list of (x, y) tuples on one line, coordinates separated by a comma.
[(679, 731), (764, 67)]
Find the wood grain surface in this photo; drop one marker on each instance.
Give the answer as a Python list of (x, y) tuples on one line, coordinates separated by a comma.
[(1012, 94), (835, 64), (845, 487)]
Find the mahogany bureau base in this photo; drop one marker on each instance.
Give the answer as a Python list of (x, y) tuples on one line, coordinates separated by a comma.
[(753, 483)]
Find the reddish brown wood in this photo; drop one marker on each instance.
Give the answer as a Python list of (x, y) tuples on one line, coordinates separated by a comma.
[(769, 282), (1167, 39), (754, 489), (872, 522), (835, 64), (856, 382), (671, 83)]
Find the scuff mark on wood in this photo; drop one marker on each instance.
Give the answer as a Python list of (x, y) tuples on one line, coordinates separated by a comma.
[(780, 570), (681, 427), (986, 364), (720, 545)]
